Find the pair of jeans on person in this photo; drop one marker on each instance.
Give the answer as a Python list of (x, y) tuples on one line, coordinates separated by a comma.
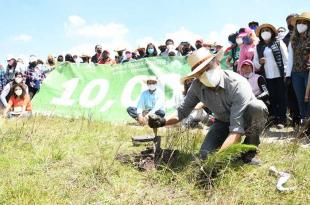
[(278, 99), (132, 111), (292, 103), (255, 118), (300, 80)]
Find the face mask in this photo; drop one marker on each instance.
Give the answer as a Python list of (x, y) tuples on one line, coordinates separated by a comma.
[(212, 50), (302, 28), (150, 50), (290, 27), (249, 75), (198, 46), (170, 47), (247, 40), (281, 35), (211, 78), (32, 64), (18, 80), (151, 87), (239, 41), (18, 92), (266, 35)]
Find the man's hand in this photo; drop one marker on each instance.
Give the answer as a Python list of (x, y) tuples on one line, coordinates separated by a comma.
[(142, 120), (156, 121), (233, 138)]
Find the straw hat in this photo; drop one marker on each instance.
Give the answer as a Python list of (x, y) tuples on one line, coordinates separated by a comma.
[(302, 16), (198, 61), (151, 78), (84, 55), (266, 25)]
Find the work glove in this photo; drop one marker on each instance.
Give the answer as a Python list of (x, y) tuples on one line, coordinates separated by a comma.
[(156, 121)]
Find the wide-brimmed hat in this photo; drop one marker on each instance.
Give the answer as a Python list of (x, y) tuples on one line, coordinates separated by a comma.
[(198, 61), (9, 57), (150, 78), (84, 55), (266, 25), (302, 16), (244, 32)]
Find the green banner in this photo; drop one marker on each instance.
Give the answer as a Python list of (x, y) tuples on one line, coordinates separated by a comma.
[(103, 92)]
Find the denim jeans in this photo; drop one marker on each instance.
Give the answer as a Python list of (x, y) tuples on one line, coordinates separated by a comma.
[(255, 118), (132, 111), (300, 80)]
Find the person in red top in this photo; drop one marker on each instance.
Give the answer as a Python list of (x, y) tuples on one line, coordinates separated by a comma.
[(19, 104), (105, 58)]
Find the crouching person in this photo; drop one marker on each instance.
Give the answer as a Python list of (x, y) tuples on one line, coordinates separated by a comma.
[(19, 104), (151, 102), (229, 96)]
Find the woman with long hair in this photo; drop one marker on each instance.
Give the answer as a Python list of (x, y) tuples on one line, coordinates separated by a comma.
[(19, 104), (270, 58), (298, 62)]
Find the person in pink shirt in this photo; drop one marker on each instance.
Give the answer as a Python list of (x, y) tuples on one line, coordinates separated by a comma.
[(247, 48)]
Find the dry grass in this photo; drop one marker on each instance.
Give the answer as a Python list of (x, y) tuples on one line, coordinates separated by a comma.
[(63, 161)]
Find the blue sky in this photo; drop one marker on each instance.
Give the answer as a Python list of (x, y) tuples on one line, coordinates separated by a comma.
[(44, 26)]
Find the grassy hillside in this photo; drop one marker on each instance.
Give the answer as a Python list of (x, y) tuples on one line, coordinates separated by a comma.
[(63, 161)]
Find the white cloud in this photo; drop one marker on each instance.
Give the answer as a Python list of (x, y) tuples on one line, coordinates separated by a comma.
[(222, 35), (77, 26), (22, 37), (76, 21)]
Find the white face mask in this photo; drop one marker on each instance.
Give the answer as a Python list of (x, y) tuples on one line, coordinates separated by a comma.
[(239, 41), (248, 75), (266, 35), (211, 78), (302, 28), (18, 92), (170, 47), (18, 80), (151, 87), (281, 35)]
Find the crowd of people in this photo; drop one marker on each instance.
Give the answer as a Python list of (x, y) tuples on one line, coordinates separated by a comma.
[(274, 61)]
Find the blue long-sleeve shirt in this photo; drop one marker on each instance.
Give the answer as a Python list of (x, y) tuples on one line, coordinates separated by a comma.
[(152, 101)]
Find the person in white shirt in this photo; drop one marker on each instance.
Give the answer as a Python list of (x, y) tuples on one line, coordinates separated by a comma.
[(270, 56)]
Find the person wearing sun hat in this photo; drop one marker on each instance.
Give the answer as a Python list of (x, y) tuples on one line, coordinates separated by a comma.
[(270, 59), (226, 94), (151, 102), (299, 61)]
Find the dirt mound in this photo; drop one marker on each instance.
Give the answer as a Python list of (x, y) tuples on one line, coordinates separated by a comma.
[(148, 159)]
